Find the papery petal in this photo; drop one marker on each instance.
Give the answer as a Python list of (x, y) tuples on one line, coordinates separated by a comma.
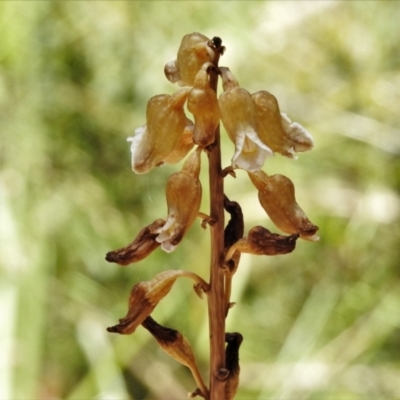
[(277, 196), (301, 138)]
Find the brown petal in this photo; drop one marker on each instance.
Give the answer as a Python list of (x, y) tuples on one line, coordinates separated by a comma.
[(261, 241), (143, 299), (144, 243)]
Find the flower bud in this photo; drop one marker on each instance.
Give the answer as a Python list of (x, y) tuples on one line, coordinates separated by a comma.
[(183, 194), (193, 52), (276, 130), (144, 244), (277, 197), (166, 122), (203, 104), (238, 115)]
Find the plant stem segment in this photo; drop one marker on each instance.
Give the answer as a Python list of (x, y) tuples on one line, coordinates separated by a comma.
[(216, 297)]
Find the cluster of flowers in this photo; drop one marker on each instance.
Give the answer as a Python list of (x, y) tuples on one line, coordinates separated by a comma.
[(257, 128)]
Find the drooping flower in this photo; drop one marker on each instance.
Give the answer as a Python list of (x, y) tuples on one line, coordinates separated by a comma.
[(277, 197), (276, 130), (166, 122), (195, 50), (146, 295), (183, 193), (178, 347), (203, 104), (144, 244), (261, 241), (238, 115)]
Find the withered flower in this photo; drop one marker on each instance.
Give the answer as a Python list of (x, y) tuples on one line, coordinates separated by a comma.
[(277, 197), (203, 104), (146, 295), (276, 130), (183, 194), (178, 347), (238, 115), (166, 122), (195, 50), (144, 243), (261, 241), (234, 341)]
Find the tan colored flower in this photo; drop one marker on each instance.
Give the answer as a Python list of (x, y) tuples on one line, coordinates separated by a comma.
[(183, 147), (238, 115), (183, 194), (277, 197), (146, 295), (195, 50), (144, 244), (276, 130), (203, 104), (166, 122)]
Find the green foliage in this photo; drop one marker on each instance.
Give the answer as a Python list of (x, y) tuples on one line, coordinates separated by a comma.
[(320, 323)]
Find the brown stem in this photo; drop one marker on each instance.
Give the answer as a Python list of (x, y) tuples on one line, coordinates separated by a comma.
[(216, 297)]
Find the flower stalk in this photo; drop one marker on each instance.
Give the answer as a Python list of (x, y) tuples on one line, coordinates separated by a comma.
[(258, 129)]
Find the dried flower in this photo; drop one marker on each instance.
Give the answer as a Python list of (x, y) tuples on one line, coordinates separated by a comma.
[(276, 130), (146, 295), (183, 194), (178, 347), (166, 122), (195, 50), (277, 197), (234, 341), (238, 115), (203, 104), (261, 241), (144, 243)]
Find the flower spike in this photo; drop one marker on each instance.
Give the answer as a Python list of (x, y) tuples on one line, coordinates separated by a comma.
[(238, 115)]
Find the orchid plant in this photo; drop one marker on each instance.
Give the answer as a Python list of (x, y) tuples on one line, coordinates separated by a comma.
[(258, 129)]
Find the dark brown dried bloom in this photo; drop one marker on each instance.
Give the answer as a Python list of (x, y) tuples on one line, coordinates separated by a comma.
[(146, 295), (177, 346), (261, 241), (144, 243), (234, 341)]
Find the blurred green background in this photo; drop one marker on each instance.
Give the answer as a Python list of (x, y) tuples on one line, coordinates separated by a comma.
[(321, 323)]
